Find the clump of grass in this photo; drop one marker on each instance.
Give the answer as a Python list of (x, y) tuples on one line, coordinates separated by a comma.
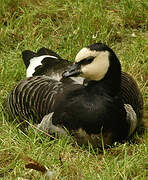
[(66, 27)]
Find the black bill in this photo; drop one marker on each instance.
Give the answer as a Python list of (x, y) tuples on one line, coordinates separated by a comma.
[(74, 70)]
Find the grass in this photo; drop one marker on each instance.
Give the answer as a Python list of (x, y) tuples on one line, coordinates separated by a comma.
[(66, 27)]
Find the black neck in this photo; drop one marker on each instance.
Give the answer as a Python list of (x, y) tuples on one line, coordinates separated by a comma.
[(111, 83), (110, 87)]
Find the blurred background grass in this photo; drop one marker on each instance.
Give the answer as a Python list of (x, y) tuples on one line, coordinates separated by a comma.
[(65, 27)]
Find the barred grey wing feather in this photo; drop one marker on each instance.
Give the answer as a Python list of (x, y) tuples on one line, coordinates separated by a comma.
[(33, 97), (131, 94)]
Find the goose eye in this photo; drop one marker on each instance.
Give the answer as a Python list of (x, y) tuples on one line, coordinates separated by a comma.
[(86, 61)]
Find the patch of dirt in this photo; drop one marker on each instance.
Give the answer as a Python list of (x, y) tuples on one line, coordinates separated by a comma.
[(6, 158)]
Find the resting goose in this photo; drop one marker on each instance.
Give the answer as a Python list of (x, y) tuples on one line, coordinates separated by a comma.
[(47, 62), (96, 111)]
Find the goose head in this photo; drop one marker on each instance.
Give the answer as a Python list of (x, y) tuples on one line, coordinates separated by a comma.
[(96, 62)]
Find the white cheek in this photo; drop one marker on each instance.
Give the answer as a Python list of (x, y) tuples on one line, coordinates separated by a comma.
[(35, 62), (84, 53), (98, 68)]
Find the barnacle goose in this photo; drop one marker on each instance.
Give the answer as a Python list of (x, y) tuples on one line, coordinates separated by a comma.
[(99, 109), (47, 62)]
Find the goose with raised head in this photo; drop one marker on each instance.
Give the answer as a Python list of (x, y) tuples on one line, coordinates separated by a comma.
[(49, 63), (99, 109)]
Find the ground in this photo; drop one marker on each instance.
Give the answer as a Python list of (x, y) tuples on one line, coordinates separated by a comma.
[(65, 27)]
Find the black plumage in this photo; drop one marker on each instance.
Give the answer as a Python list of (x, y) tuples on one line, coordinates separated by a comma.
[(35, 97), (130, 92), (90, 111)]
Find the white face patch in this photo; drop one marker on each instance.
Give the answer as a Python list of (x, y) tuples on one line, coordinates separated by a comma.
[(84, 53), (99, 66), (34, 62)]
